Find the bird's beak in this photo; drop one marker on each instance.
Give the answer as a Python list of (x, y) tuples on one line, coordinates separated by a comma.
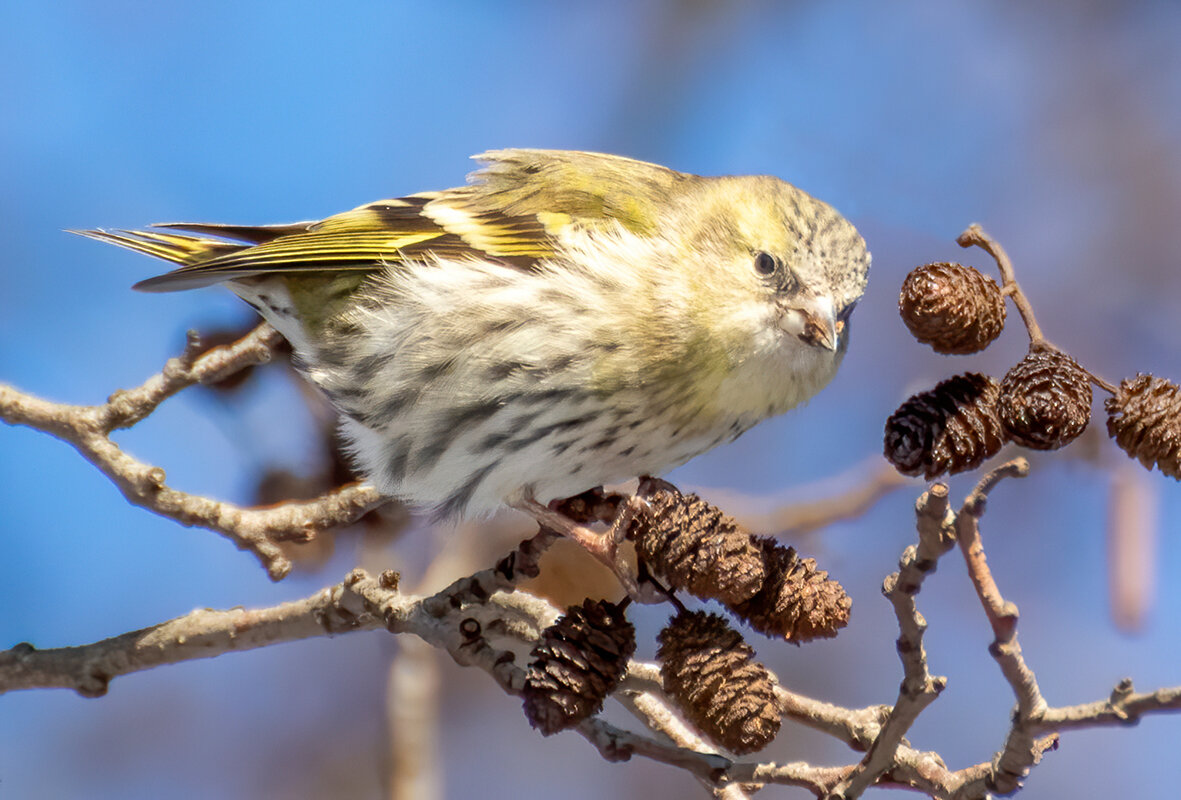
[(814, 321)]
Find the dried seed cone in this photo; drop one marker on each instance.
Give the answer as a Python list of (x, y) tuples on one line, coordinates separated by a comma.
[(951, 428), (577, 663), (1045, 400), (953, 308), (695, 547), (711, 673), (1144, 418), (798, 602)]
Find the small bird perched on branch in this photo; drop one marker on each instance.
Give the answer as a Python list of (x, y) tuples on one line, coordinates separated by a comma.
[(565, 320)]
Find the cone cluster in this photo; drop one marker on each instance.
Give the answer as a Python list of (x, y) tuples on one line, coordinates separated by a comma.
[(1045, 400), (578, 662), (694, 546), (951, 428), (711, 673), (953, 308), (1144, 418)]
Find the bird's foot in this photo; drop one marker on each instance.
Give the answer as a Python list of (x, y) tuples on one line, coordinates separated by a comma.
[(604, 546)]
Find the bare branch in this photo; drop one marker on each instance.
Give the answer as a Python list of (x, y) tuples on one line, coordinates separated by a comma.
[(206, 633), (662, 717), (259, 531), (469, 617), (819, 780), (203, 633), (1020, 751), (1124, 707), (126, 407), (919, 687), (1002, 615), (857, 727)]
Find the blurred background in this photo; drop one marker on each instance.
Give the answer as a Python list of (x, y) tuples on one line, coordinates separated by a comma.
[(1056, 125)]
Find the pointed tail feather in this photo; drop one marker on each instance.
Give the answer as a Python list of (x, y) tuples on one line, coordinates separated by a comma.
[(177, 248), (188, 251)]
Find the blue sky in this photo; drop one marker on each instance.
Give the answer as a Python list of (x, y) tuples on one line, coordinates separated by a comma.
[(1057, 126)]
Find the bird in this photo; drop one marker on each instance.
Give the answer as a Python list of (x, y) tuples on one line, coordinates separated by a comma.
[(562, 321)]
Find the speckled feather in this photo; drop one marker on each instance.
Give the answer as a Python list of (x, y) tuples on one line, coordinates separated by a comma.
[(565, 320)]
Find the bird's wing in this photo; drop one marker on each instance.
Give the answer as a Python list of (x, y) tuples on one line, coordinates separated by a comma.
[(513, 210), (592, 190)]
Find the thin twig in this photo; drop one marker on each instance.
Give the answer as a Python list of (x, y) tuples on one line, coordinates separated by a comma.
[(204, 633), (1020, 751), (919, 687), (975, 235), (661, 717), (1002, 615), (1125, 706), (257, 530)]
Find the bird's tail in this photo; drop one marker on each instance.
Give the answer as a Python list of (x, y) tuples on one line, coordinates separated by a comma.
[(189, 250)]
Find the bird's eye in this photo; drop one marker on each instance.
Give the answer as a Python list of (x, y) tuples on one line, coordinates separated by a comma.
[(765, 263)]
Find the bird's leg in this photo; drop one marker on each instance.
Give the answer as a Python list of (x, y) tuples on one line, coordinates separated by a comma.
[(646, 591), (624, 516), (603, 546)]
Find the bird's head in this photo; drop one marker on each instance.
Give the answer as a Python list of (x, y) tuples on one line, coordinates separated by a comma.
[(776, 271)]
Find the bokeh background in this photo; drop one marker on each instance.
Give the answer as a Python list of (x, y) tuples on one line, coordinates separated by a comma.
[(1055, 124)]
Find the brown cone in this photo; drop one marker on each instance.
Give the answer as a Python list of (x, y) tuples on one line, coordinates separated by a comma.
[(1144, 418), (953, 308), (798, 602), (711, 673), (577, 663), (951, 428), (1045, 400), (694, 546)]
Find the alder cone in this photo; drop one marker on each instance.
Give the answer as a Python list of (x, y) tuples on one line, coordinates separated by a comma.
[(1045, 400), (578, 662), (1144, 418), (951, 428), (798, 602), (710, 671), (695, 547), (953, 308)]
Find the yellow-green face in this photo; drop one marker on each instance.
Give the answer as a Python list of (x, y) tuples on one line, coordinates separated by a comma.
[(743, 310), (766, 238)]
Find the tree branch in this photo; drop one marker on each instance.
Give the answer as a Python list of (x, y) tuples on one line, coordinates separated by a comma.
[(919, 688), (204, 633), (257, 530)]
